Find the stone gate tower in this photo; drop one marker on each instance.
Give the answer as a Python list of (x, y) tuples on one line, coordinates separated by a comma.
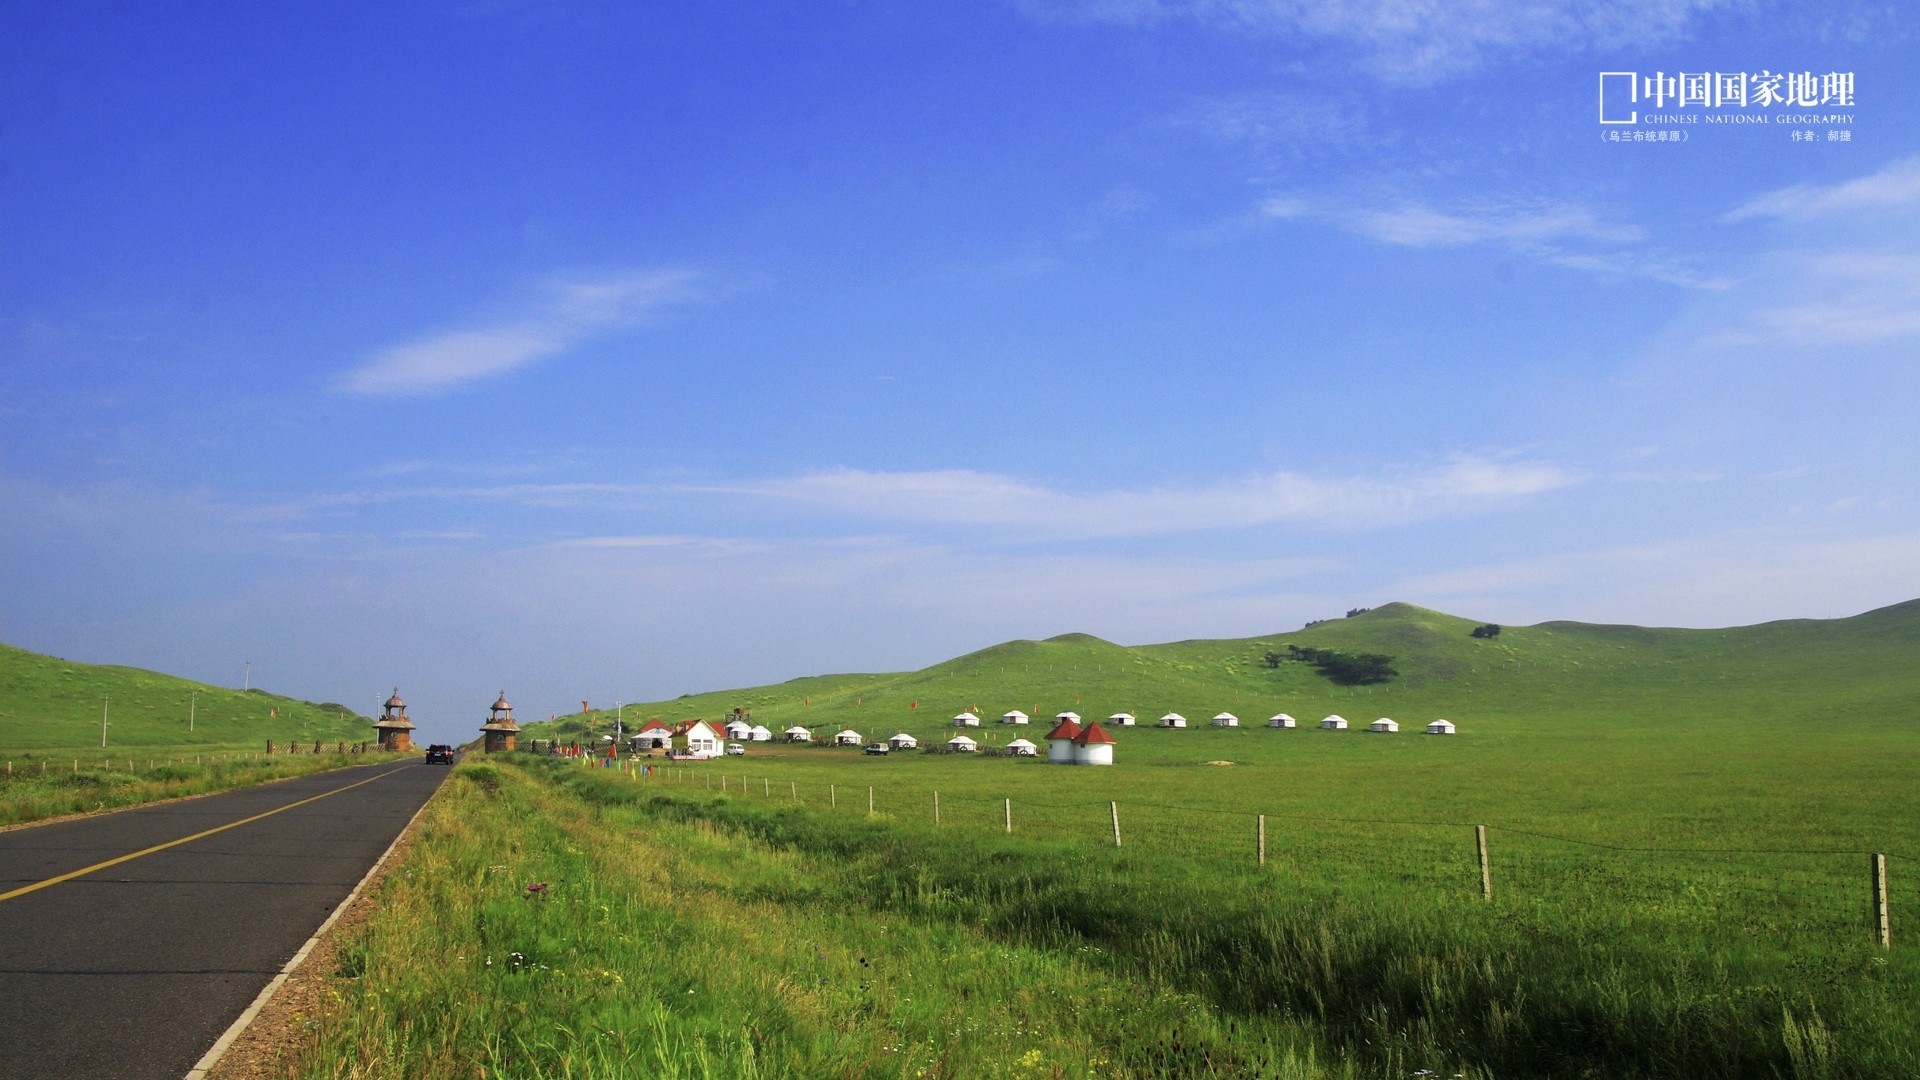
[(393, 727), (500, 730)]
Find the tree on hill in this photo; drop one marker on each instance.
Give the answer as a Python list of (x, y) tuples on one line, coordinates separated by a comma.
[(1271, 659), (1346, 669), (1490, 630)]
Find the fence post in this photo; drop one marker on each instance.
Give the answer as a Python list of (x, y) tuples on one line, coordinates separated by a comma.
[(869, 802), (795, 784), (766, 787), (833, 799), (936, 808), (1486, 868), (1115, 807), (1882, 930), (1263, 839), (1009, 816)]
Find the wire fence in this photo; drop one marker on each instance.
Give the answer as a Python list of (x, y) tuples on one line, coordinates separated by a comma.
[(1817, 893)]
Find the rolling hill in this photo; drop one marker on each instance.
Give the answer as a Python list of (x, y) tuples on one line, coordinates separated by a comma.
[(1528, 677), (48, 703)]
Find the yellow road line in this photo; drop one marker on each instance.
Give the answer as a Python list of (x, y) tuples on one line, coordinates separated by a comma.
[(38, 885)]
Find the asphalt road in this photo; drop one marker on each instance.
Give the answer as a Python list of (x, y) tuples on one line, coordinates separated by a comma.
[(134, 970)]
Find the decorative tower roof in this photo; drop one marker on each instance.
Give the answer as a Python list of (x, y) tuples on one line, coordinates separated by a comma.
[(1092, 733), (395, 716), (1067, 729), (500, 716)]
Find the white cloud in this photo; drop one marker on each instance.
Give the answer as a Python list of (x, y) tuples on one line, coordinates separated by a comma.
[(977, 500), (1896, 187), (572, 313), (1413, 41)]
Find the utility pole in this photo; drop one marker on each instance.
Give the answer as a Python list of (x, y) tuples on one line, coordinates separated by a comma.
[(193, 702), (246, 681), (103, 720)]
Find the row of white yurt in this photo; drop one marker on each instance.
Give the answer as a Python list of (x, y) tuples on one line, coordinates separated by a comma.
[(847, 737), (960, 744), (903, 741)]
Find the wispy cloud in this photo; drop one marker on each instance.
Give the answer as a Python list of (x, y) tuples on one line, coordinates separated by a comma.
[(1896, 187), (1830, 299), (570, 314), (1412, 41), (1558, 233), (970, 499)]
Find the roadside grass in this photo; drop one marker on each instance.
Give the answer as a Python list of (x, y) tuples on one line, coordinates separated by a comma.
[(694, 933), (38, 788), (669, 946)]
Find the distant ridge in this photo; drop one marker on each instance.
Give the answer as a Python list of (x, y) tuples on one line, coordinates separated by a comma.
[(1799, 669)]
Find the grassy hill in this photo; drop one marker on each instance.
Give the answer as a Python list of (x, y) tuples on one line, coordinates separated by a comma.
[(47, 703), (1529, 677)]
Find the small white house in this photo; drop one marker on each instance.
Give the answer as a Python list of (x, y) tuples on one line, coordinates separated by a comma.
[(1226, 719), (1441, 727), (1282, 720), (847, 737), (1173, 719), (1383, 724), (1023, 748), (739, 729), (960, 744), (1060, 741), (966, 719), (702, 741), (759, 733), (1014, 717), (1336, 722), (796, 733), (1122, 719), (903, 741)]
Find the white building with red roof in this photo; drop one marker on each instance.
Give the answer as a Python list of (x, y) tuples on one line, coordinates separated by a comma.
[(1060, 741), (1093, 746), (653, 735)]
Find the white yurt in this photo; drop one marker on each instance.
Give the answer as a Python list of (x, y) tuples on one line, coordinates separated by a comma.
[(1060, 716), (1023, 748), (1441, 727), (796, 733), (1225, 719), (847, 737), (1122, 719), (1013, 717), (903, 741), (1383, 724), (966, 719), (1173, 719), (759, 733), (1093, 746), (1282, 720), (960, 744), (738, 729), (1060, 742), (1336, 722)]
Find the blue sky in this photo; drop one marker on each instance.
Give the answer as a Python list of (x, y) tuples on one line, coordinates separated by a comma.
[(610, 352)]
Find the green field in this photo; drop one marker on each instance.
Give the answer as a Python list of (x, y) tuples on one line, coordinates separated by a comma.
[(51, 707), (1680, 824)]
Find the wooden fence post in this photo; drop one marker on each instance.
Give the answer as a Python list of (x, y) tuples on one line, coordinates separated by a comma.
[(936, 809), (869, 802), (1115, 807), (1486, 868), (1882, 929), (1009, 817), (766, 787), (795, 785), (1263, 839), (833, 798)]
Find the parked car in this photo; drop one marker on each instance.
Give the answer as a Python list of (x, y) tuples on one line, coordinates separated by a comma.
[(877, 748), (734, 749), (439, 754)]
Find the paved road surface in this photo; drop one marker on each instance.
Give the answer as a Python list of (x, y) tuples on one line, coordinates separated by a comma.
[(134, 970)]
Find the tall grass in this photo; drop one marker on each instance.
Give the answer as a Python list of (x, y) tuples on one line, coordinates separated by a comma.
[(693, 933)]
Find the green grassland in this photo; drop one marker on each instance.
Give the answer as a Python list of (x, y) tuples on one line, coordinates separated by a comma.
[(50, 706), (1679, 823)]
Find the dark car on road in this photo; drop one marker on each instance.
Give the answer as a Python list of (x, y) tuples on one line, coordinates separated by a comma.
[(439, 754)]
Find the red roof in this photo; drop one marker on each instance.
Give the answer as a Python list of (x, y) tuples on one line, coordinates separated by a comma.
[(1067, 730), (654, 725), (1093, 733)]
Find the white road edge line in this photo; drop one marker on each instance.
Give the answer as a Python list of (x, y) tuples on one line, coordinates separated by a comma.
[(212, 1057)]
